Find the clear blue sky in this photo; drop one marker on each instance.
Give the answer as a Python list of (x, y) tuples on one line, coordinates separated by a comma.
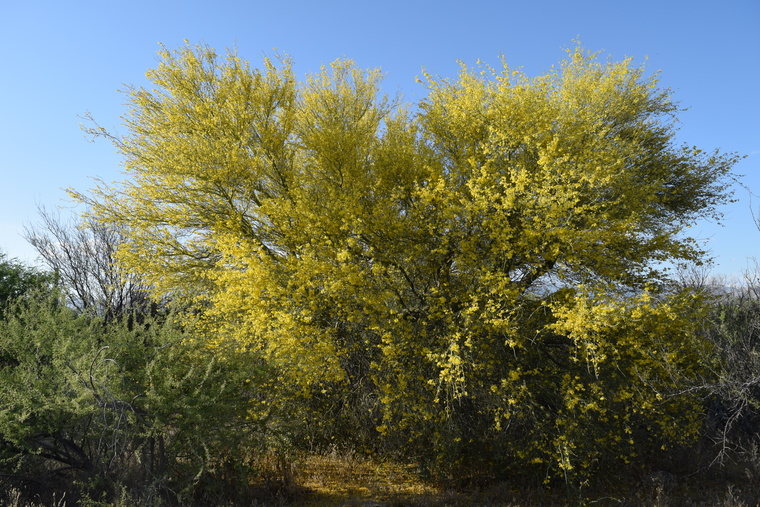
[(63, 59)]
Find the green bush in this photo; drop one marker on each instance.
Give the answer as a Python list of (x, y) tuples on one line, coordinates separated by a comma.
[(138, 408), (16, 279), (733, 392)]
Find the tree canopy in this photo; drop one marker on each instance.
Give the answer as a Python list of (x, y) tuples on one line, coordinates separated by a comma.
[(484, 264), (16, 279)]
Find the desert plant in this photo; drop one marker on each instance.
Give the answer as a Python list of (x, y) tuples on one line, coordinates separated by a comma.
[(94, 409)]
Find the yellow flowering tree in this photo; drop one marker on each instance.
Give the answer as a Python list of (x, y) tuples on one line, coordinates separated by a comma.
[(483, 265)]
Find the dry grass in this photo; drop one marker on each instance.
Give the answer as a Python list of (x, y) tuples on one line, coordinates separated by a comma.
[(335, 479), (348, 480)]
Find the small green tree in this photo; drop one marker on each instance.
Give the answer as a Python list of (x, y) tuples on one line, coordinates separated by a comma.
[(17, 279)]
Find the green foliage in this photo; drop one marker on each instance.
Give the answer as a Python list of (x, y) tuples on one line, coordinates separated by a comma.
[(17, 279), (136, 406)]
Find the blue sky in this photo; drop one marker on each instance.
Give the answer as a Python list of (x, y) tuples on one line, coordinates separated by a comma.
[(61, 60)]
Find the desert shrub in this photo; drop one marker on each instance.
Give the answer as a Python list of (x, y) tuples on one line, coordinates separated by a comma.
[(97, 410), (732, 393)]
